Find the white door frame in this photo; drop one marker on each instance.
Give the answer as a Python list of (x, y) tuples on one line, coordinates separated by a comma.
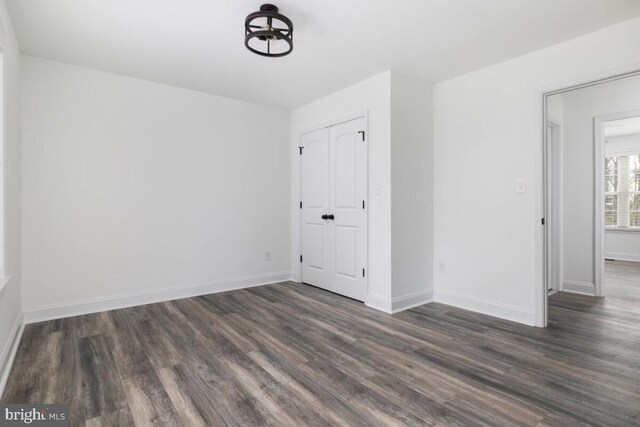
[(553, 221), (599, 226), (541, 306), (361, 115)]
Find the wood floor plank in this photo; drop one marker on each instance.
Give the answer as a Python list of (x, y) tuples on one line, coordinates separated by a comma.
[(186, 395), (117, 418), (290, 354), (148, 401), (101, 389)]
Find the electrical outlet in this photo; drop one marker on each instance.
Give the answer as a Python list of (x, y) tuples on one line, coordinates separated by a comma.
[(267, 256), (442, 267)]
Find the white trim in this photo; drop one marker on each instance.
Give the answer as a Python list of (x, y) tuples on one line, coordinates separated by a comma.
[(542, 238), (553, 217), (362, 114), (297, 272), (3, 36), (622, 229), (10, 349), (599, 196), (598, 206), (398, 304), (379, 303), (412, 300), (619, 256), (573, 83), (484, 306), (3, 282), (295, 277), (621, 153), (579, 287), (58, 311)]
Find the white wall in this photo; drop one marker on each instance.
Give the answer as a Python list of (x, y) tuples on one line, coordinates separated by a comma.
[(10, 294), (372, 95), (488, 133), (411, 190), (579, 109), (622, 244), (132, 188), (400, 156)]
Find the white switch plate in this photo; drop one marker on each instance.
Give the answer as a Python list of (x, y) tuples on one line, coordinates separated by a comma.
[(377, 189), (442, 267), (267, 256), (521, 186)]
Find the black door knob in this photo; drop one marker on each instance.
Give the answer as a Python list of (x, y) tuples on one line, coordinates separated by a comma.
[(324, 216), (331, 217)]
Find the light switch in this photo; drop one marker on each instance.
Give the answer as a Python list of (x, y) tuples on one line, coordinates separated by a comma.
[(521, 186), (377, 190)]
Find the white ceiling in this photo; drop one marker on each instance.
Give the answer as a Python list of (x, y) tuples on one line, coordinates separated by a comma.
[(630, 126), (199, 44)]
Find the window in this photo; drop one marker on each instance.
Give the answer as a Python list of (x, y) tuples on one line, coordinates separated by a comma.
[(622, 191)]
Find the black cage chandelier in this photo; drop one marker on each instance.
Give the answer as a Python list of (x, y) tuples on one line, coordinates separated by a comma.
[(268, 33)]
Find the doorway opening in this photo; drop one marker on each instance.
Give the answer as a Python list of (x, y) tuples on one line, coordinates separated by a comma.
[(592, 197)]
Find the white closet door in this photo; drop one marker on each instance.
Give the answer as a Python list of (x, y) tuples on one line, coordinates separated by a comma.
[(348, 189), (316, 256)]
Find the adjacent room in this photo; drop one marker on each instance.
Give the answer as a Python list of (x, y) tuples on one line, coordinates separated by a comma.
[(420, 212), (594, 183), (593, 213)]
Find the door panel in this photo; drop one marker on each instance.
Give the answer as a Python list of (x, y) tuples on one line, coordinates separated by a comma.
[(316, 265), (345, 146), (334, 182), (315, 172), (315, 246), (348, 190), (346, 250)]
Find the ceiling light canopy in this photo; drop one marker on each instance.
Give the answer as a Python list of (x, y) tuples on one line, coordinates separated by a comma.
[(268, 33)]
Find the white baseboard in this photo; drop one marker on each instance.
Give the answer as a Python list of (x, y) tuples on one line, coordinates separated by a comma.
[(579, 287), (9, 350), (295, 277), (398, 304), (412, 300), (488, 307), (618, 256), (76, 308), (379, 303)]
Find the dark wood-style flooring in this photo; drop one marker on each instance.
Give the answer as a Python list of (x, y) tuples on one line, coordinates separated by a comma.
[(291, 354)]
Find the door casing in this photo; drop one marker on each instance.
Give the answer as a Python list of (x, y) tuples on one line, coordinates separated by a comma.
[(541, 297)]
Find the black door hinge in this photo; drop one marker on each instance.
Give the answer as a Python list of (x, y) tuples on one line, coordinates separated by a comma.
[(362, 132), (363, 272), (300, 258), (542, 221), (301, 150), (363, 204), (300, 205)]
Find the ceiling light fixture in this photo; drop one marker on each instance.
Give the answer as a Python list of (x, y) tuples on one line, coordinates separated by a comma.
[(268, 33)]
